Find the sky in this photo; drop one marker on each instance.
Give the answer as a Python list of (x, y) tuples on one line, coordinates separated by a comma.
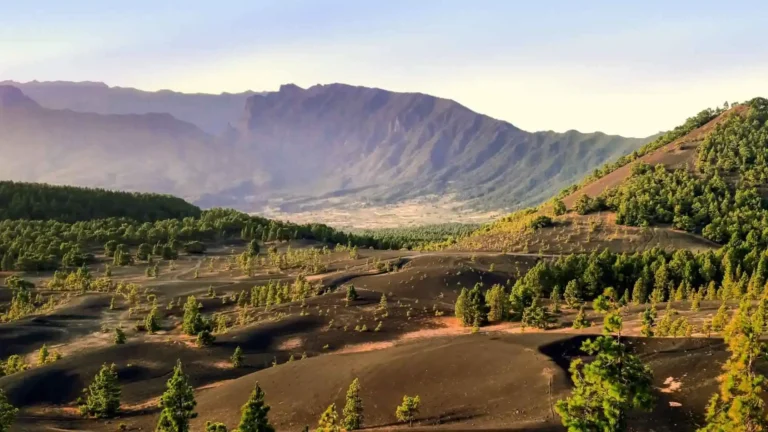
[(621, 67)]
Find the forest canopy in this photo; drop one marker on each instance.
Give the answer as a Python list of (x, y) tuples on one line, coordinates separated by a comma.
[(39, 201), (721, 199)]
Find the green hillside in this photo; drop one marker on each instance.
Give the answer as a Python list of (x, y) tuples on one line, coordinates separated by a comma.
[(722, 198), (38, 201)]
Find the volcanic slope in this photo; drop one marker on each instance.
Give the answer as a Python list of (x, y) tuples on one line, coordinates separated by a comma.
[(680, 153), (82, 328), (597, 227), (497, 378)]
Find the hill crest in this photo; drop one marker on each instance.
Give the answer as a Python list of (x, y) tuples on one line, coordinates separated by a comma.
[(677, 154)]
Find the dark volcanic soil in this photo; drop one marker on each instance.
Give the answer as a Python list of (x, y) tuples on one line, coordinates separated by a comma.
[(496, 379)]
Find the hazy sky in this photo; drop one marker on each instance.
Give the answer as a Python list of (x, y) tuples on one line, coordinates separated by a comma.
[(626, 67)]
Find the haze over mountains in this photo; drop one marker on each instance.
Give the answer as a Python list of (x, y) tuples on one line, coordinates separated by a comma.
[(297, 148), (211, 113)]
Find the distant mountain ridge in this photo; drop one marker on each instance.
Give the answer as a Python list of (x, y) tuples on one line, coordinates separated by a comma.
[(210, 112), (296, 149), (384, 146)]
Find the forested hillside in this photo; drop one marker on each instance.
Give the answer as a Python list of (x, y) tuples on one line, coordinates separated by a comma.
[(690, 124), (722, 197), (46, 227), (691, 190), (39, 201)]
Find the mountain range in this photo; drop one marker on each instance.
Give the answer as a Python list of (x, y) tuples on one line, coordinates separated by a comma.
[(211, 113), (295, 148)]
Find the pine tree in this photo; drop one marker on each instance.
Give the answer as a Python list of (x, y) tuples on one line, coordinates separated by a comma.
[(14, 363), (639, 292), (706, 328), (720, 319), (254, 413), (711, 291), (460, 307), (657, 295), (535, 316), (253, 248), (581, 319), (237, 357), (555, 298), (119, 338), (215, 427), (205, 338), (151, 322), (648, 320), (739, 405), (665, 324), (42, 355), (471, 308), (7, 264), (572, 294), (7, 412), (102, 397), (383, 307), (353, 409), (177, 403), (680, 293), (192, 320), (408, 410), (558, 207), (606, 389), (351, 293), (329, 420), (696, 302), (498, 303)]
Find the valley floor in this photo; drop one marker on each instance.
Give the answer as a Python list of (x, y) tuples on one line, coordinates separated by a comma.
[(412, 213)]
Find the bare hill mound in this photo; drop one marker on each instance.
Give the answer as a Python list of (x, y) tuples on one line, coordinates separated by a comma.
[(503, 382)]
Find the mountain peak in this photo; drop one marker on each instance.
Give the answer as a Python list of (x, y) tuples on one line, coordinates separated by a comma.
[(284, 88), (12, 97)]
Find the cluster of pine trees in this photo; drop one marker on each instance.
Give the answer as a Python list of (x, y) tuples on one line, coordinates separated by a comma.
[(419, 237), (652, 276), (616, 382), (721, 200), (32, 245), (690, 124), (38, 201), (102, 399)]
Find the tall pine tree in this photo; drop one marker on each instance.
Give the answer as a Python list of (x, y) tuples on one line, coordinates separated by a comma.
[(178, 403), (254, 413), (353, 409), (7, 413), (739, 405), (102, 397), (607, 388), (329, 420)]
